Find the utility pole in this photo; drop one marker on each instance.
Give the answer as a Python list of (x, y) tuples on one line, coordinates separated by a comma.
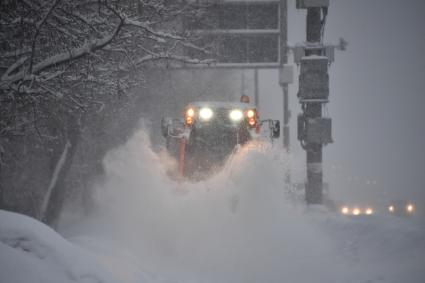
[(256, 94), (314, 131), (313, 110), (285, 78), (285, 72)]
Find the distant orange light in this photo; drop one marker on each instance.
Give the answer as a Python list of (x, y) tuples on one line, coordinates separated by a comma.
[(356, 211)]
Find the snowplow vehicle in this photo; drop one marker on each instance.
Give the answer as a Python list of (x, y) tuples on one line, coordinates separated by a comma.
[(209, 132)]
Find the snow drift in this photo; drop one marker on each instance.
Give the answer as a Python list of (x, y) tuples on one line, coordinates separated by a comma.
[(240, 225), (32, 252)]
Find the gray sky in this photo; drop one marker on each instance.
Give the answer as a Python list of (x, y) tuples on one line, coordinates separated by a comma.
[(377, 97)]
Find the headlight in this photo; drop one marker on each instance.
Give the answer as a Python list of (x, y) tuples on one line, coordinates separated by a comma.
[(356, 211), (345, 210), (236, 115), (205, 114), (369, 211), (391, 208)]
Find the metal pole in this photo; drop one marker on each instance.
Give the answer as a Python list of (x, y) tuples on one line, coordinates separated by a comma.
[(256, 94), (286, 117), (314, 186), (242, 83), (283, 15), (283, 60)]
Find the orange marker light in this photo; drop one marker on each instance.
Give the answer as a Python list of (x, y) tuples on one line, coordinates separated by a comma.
[(189, 120), (251, 122), (189, 116), (250, 113), (190, 112)]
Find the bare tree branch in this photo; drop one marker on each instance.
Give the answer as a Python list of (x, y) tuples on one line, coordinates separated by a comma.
[(37, 32), (63, 57)]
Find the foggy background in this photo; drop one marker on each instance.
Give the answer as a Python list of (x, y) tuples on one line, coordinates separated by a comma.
[(376, 99)]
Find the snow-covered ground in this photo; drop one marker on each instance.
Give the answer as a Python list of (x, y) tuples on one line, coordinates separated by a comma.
[(241, 225)]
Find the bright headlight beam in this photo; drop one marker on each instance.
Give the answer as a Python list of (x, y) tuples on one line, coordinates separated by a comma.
[(236, 115), (205, 114)]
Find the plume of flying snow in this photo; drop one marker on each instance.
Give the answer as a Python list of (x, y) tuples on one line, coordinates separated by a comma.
[(237, 226)]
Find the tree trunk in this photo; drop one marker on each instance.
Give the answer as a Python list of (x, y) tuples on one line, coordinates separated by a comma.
[(56, 192), (2, 206)]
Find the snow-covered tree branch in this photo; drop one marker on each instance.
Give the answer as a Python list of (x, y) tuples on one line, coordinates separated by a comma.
[(63, 61)]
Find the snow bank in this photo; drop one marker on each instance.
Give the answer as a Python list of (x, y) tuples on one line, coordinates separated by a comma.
[(379, 249), (32, 252)]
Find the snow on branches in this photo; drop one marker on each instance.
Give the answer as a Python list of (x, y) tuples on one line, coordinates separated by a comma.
[(82, 51), (40, 35), (66, 67)]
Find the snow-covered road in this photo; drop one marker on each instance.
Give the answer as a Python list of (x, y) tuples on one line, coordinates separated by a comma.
[(238, 226)]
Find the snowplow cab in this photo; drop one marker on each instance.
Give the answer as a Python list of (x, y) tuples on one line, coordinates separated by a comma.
[(208, 133)]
